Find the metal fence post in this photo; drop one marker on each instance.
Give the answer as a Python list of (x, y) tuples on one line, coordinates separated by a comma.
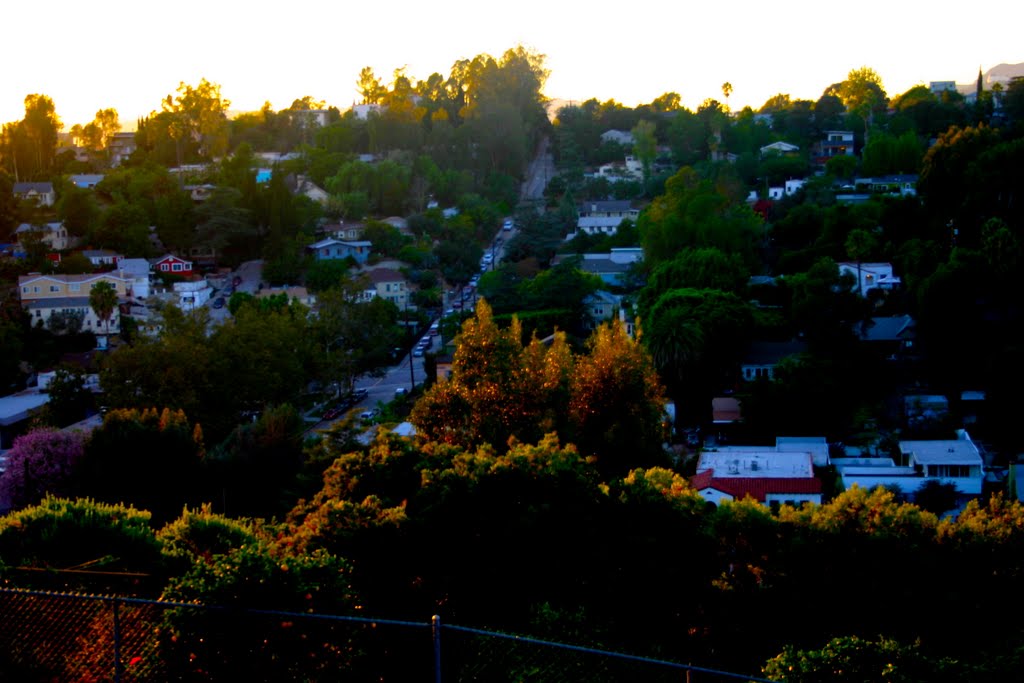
[(117, 644), (435, 628)]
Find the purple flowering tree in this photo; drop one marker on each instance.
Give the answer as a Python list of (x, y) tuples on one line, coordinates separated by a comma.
[(40, 462)]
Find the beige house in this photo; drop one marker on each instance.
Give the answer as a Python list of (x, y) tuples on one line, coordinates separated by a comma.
[(45, 295), (388, 284), (53, 235)]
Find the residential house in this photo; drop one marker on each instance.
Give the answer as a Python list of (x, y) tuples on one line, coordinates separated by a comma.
[(388, 284), (347, 232), (137, 269), (302, 185), (775, 193), (299, 294), (44, 295), (792, 186), (53, 235), (612, 267), (172, 265), (363, 111), (904, 185), (192, 295), (868, 276), (86, 181), (604, 217), (331, 249), (888, 336), (780, 148), (629, 169), (767, 476), (601, 306), (949, 461), (121, 146), (274, 158), (763, 358), (41, 194), (102, 257), (203, 255), (16, 412), (835, 143), (622, 137), (938, 87), (398, 223)]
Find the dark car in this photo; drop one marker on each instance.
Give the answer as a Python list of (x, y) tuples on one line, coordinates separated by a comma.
[(218, 302), (332, 413), (235, 281)]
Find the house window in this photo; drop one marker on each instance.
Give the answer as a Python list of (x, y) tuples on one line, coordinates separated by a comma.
[(163, 267), (35, 290), (176, 267), (24, 290), (75, 287), (950, 471)]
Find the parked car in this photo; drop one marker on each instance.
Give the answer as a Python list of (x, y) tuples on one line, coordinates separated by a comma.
[(218, 302), (368, 415), (507, 225), (401, 391), (418, 352), (332, 413), (360, 394), (235, 281)]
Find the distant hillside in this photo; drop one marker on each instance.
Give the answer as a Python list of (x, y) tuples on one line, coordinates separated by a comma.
[(1001, 73)]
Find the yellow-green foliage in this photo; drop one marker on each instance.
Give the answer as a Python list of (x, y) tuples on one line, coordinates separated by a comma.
[(200, 533), (62, 534), (873, 513)]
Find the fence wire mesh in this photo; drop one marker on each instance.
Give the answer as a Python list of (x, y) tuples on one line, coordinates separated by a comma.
[(68, 638), (49, 637)]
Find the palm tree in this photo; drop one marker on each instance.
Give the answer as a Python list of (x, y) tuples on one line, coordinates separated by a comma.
[(727, 90), (859, 245), (102, 300)]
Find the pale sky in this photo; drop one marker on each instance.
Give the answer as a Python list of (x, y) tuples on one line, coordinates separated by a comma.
[(130, 55)]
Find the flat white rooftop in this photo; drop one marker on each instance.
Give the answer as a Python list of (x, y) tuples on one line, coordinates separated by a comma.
[(747, 462)]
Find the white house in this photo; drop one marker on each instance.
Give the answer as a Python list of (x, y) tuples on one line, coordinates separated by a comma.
[(870, 275), (102, 257), (138, 270), (954, 461), (53, 235), (623, 137), (780, 148), (793, 185), (767, 476), (192, 295), (604, 217)]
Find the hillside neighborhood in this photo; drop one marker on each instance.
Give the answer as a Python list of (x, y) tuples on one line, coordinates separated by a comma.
[(740, 357)]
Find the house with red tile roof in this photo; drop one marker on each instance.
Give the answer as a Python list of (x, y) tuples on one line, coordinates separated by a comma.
[(766, 475)]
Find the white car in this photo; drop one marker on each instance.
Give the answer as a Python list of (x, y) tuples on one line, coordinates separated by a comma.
[(507, 225)]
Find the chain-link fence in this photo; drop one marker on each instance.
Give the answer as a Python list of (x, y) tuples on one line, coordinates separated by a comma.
[(92, 639)]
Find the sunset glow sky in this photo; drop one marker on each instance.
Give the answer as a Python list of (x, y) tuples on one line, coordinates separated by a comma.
[(131, 55)]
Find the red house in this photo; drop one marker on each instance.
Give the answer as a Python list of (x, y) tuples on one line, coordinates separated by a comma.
[(173, 265)]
